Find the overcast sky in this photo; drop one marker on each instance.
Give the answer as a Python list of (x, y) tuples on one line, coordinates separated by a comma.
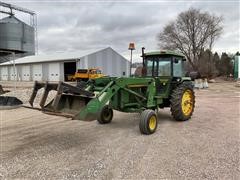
[(80, 25)]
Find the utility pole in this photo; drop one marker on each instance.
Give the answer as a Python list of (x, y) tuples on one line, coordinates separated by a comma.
[(14, 71)]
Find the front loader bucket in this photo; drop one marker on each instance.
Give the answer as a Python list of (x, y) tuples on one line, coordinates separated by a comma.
[(9, 102), (2, 91), (69, 100), (67, 104)]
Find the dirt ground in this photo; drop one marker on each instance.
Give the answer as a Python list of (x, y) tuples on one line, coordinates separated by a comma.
[(39, 146)]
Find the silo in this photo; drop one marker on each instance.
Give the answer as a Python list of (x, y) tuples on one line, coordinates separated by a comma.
[(16, 36)]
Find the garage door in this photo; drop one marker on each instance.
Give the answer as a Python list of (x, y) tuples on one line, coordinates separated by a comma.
[(4, 73), (25, 75), (54, 72), (37, 72), (13, 75)]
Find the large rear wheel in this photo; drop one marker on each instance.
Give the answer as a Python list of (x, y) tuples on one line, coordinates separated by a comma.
[(148, 122), (183, 102)]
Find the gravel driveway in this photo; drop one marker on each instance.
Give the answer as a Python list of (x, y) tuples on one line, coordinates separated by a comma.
[(40, 146)]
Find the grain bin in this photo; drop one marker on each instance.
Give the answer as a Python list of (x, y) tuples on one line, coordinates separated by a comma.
[(16, 35)]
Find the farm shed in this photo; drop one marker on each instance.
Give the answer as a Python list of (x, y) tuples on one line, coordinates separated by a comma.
[(57, 66)]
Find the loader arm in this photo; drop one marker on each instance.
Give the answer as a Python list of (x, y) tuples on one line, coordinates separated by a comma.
[(111, 92), (90, 111)]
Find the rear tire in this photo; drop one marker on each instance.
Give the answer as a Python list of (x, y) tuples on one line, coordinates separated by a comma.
[(182, 102), (105, 116), (148, 122)]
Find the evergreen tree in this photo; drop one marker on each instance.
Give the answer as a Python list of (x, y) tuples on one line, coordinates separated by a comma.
[(216, 61), (206, 64), (226, 66)]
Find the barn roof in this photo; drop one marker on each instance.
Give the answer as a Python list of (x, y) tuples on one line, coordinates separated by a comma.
[(61, 56)]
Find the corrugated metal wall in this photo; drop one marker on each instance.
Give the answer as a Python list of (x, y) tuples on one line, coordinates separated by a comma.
[(109, 61), (33, 72), (15, 35)]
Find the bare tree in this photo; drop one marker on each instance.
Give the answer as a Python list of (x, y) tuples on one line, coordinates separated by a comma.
[(191, 33)]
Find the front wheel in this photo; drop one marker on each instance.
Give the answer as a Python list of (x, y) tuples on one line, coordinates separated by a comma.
[(105, 115), (148, 122)]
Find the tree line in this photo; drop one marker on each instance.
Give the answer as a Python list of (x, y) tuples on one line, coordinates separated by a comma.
[(213, 64), (194, 33)]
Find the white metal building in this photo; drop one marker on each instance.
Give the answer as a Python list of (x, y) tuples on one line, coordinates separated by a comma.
[(56, 67)]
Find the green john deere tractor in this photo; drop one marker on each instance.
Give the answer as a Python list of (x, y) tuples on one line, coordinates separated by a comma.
[(162, 84)]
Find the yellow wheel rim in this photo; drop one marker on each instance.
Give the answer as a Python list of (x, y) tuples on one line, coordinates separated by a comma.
[(152, 122), (187, 102)]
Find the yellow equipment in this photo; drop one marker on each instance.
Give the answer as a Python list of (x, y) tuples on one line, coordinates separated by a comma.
[(86, 74)]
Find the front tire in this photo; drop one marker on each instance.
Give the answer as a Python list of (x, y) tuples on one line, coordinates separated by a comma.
[(105, 116), (182, 102), (148, 122)]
